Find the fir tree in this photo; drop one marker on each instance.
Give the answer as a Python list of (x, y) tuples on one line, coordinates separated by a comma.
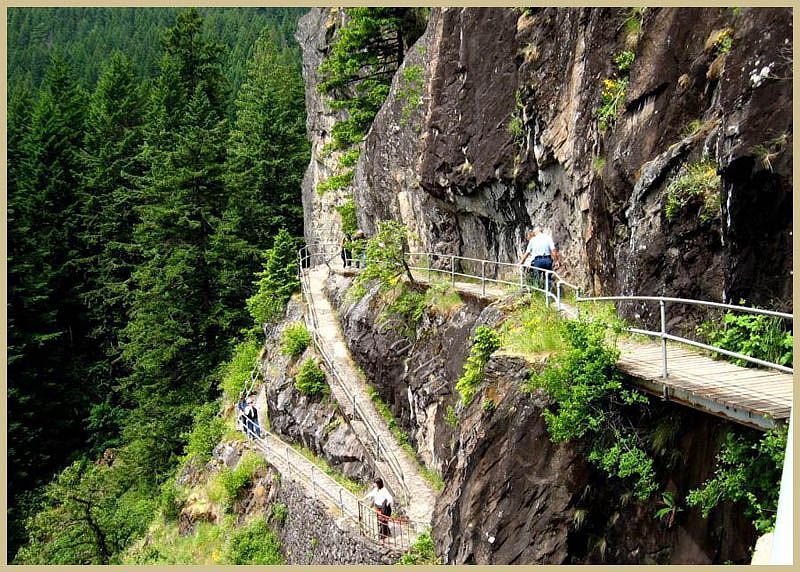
[(113, 142), (268, 152)]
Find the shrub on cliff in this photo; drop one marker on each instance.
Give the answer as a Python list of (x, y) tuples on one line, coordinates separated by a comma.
[(206, 432), (295, 339), (486, 343), (254, 543), (748, 470), (310, 380), (590, 403)]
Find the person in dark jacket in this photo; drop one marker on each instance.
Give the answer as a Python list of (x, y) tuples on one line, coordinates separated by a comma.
[(252, 418)]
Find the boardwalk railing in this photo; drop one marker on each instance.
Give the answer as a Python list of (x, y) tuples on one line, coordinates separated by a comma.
[(664, 336), (306, 258), (394, 532), (554, 288)]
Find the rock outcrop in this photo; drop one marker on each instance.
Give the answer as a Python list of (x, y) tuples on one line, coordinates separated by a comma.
[(467, 181), (511, 495)]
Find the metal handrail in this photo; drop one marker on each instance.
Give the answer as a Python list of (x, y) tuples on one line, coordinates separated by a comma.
[(551, 278), (382, 452), (664, 336)]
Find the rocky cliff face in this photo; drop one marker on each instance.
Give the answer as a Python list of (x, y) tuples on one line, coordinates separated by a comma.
[(511, 495), (313, 422), (466, 181)]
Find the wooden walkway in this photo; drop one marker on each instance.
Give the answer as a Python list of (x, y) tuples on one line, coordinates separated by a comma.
[(754, 397)]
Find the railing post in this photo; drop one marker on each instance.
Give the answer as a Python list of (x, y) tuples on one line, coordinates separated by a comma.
[(341, 502), (452, 270), (578, 303), (378, 446), (547, 289), (354, 406), (663, 338), (558, 296), (313, 482), (288, 462), (430, 269), (521, 278), (483, 277)]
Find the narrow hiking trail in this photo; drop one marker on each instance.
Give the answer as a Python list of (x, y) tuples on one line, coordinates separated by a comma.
[(400, 471)]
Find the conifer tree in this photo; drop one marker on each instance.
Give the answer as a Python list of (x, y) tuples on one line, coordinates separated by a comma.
[(268, 152), (46, 324), (114, 137), (173, 340)]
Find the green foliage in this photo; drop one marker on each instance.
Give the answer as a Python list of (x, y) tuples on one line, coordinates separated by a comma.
[(699, 184), (724, 42), (422, 551), (295, 339), (409, 305), (278, 512), (633, 21), (515, 127), (236, 371), (310, 379), (488, 405), (86, 36), (670, 509), (450, 417), (410, 92), (768, 151), (165, 544), (277, 282), (170, 501), (385, 258), (254, 543), (442, 298), (206, 432), (623, 60), (349, 158), (584, 383), (347, 211), (598, 163), (485, 343), (88, 514), (694, 126), (336, 182), (748, 470), (611, 100), (761, 337), (137, 217), (532, 328), (227, 485)]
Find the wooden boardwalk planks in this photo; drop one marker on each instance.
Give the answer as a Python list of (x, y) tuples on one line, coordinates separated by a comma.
[(753, 397)]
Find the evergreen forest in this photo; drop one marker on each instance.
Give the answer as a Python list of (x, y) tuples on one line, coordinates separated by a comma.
[(154, 155)]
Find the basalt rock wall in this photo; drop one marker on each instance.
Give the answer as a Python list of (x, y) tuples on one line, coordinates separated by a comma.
[(511, 495), (505, 135)]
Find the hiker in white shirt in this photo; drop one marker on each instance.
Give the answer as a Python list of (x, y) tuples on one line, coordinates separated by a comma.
[(382, 502), (542, 252)]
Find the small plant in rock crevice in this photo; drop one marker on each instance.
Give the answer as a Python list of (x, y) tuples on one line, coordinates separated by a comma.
[(295, 339), (699, 184), (485, 343), (310, 379)]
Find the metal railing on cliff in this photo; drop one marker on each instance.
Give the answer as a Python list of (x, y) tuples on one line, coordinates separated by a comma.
[(384, 453), (554, 288)]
